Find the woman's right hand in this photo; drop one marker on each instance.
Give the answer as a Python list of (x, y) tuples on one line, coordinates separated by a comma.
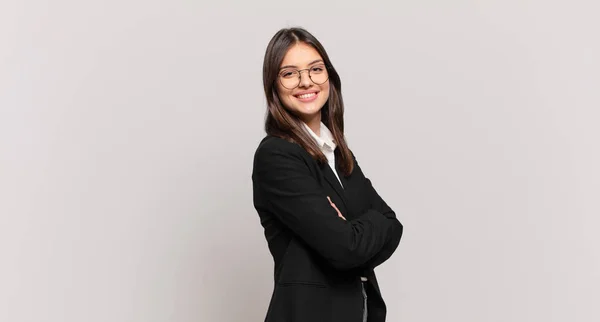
[(336, 209)]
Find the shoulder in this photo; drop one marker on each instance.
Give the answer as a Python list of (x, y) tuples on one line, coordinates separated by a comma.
[(356, 167), (270, 142), (273, 148)]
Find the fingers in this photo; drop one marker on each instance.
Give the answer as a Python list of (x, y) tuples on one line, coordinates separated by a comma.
[(336, 209), (331, 203)]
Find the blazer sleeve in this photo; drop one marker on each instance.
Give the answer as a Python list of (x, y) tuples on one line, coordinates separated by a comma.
[(379, 205), (287, 189)]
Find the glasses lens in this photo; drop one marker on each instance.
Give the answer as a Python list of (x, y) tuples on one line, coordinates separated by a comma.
[(289, 78), (318, 74)]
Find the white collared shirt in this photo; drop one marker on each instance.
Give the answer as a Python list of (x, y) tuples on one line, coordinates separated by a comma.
[(327, 146)]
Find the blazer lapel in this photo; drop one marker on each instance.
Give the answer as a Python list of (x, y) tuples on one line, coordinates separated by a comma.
[(340, 173), (333, 182)]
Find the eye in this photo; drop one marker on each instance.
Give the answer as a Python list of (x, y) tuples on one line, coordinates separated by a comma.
[(287, 73), (318, 69)]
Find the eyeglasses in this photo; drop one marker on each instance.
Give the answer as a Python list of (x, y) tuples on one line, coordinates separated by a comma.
[(290, 78)]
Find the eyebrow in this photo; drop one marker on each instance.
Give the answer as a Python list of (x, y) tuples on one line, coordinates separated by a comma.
[(313, 62)]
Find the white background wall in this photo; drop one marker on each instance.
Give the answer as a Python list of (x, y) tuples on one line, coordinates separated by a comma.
[(127, 130)]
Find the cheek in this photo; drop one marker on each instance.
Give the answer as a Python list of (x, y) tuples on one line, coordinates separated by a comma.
[(284, 97), (325, 93)]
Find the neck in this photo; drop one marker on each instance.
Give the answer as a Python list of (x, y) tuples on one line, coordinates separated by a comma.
[(314, 123)]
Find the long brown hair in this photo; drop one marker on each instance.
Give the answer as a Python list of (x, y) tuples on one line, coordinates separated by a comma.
[(282, 123)]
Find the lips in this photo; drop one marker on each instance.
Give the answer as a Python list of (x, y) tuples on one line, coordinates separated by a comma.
[(307, 96)]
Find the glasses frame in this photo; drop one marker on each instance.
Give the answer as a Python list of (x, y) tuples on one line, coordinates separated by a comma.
[(309, 77)]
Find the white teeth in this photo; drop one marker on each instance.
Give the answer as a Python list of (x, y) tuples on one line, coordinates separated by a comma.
[(307, 95)]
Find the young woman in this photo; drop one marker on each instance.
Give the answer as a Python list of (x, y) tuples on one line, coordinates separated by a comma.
[(326, 226)]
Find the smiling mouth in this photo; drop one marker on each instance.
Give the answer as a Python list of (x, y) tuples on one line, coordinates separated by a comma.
[(307, 97)]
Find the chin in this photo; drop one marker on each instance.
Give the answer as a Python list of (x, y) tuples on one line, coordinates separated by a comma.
[(310, 112)]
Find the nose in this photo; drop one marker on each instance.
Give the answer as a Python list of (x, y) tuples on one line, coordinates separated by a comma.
[(304, 79)]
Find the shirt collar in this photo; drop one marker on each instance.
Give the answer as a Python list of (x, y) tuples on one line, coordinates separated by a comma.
[(326, 138)]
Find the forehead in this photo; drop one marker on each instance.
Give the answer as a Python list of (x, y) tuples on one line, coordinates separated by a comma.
[(300, 55)]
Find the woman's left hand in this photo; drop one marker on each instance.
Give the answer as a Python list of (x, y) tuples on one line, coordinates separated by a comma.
[(336, 209)]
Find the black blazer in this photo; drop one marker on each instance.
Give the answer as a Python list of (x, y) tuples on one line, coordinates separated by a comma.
[(318, 256)]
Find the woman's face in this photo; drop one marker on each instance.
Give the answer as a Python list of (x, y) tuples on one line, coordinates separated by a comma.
[(307, 99)]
